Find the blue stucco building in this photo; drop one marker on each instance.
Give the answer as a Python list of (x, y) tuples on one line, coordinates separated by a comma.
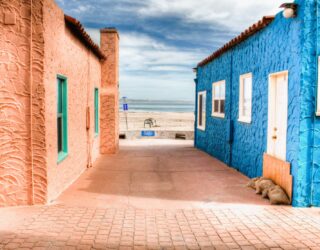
[(258, 94)]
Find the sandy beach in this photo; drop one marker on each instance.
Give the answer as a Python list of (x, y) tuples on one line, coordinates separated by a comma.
[(167, 123)]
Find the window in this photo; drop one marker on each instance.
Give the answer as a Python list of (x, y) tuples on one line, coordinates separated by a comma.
[(96, 111), (62, 118), (218, 99), (201, 110), (318, 98), (245, 98)]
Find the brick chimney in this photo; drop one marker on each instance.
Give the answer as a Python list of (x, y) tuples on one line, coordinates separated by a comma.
[(109, 105)]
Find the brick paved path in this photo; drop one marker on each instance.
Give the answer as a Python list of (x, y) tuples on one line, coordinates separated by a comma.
[(193, 225), (61, 227)]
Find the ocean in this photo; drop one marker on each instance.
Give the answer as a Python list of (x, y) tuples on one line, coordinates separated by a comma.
[(158, 106)]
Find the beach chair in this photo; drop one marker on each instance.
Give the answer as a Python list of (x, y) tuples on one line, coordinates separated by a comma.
[(150, 121)]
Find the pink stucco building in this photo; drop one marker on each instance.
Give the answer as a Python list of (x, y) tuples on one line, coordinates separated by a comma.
[(59, 100)]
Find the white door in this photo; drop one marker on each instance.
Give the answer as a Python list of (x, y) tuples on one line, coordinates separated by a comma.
[(278, 115)]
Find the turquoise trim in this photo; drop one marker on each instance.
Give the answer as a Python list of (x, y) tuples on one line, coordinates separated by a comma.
[(63, 83), (96, 111), (62, 156)]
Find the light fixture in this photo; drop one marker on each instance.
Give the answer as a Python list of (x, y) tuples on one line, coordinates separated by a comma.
[(290, 10)]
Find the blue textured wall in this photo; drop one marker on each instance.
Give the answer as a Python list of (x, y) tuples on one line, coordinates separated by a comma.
[(304, 168), (286, 44), (315, 175), (210, 140)]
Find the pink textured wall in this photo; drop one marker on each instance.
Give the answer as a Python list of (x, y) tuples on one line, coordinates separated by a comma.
[(66, 55), (14, 106), (36, 46), (109, 119), (22, 154)]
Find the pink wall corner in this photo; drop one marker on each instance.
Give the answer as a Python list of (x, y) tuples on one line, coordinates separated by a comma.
[(38, 142), (66, 55), (14, 107), (109, 118), (22, 158)]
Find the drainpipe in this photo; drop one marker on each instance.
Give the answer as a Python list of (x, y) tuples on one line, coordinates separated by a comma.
[(196, 115), (88, 115), (230, 139), (196, 108), (31, 103)]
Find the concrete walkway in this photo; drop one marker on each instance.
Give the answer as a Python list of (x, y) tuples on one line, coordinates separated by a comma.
[(160, 174), (159, 195)]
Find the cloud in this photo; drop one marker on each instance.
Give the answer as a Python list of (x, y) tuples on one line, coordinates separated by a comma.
[(151, 69), (83, 9), (146, 53), (162, 40), (234, 14)]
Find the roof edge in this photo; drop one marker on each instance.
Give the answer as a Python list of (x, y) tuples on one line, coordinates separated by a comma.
[(253, 29), (81, 33)]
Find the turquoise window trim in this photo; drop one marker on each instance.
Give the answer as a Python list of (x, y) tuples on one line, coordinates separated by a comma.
[(62, 82), (62, 156), (96, 111)]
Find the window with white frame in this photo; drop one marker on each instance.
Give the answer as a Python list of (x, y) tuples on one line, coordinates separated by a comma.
[(218, 98), (245, 98), (318, 94), (201, 124)]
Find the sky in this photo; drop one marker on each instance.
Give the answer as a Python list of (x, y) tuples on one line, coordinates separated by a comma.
[(162, 40)]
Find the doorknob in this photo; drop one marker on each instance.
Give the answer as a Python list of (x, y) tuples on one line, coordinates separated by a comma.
[(274, 137)]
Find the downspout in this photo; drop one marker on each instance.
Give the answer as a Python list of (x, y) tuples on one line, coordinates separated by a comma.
[(231, 127), (88, 115), (31, 103), (196, 109)]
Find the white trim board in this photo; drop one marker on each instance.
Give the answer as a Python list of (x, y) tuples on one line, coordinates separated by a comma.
[(204, 110)]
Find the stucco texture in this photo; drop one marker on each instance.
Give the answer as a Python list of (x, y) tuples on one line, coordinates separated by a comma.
[(22, 155), (310, 124), (274, 49), (15, 103), (315, 176), (66, 55), (36, 45), (109, 120)]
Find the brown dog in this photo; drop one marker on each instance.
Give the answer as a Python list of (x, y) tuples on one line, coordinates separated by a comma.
[(252, 182), (278, 196), (263, 185)]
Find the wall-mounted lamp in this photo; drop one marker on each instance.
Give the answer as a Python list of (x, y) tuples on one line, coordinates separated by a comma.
[(290, 10)]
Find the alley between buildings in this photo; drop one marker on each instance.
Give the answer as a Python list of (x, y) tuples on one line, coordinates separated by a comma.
[(159, 194)]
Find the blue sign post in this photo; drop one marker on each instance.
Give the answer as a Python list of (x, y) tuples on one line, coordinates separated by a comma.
[(125, 107)]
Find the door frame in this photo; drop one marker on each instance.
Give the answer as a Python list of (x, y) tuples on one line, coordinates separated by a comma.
[(271, 109), (203, 126)]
